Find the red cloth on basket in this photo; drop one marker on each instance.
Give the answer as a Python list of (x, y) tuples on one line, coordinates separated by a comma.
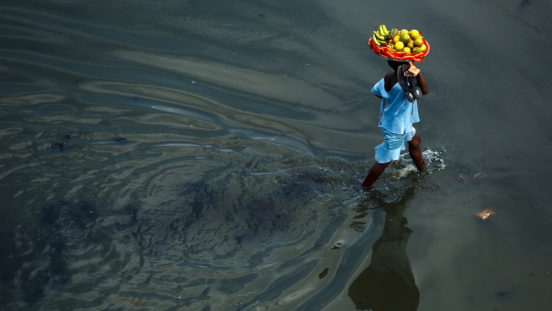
[(384, 51)]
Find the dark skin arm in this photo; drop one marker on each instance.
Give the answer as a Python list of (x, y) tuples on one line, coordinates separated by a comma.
[(419, 77), (391, 79)]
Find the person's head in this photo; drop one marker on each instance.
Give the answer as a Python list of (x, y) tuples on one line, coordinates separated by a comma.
[(393, 64)]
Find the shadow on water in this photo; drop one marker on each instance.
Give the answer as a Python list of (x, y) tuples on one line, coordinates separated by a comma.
[(34, 259), (388, 283)]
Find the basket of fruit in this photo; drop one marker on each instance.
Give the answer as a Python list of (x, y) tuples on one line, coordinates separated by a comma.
[(401, 46)]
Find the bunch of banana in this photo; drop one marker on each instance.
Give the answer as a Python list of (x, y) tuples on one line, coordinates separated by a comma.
[(383, 35)]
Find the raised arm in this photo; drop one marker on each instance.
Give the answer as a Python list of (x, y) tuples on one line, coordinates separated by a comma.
[(419, 78)]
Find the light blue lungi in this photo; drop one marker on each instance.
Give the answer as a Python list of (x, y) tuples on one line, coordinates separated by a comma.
[(397, 115), (391, 148)]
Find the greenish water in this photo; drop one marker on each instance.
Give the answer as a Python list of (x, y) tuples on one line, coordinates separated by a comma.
[(207, 155)]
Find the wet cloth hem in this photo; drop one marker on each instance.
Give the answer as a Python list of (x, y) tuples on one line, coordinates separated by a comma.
[(390, 149)]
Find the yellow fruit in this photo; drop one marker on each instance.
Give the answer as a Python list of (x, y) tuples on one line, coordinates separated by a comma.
[(418, 42), (406, 49), (399, 45), (417, 49), (405, 37), (404, 31), (396, 39), (414, 34), (410, 44), (423, 47)]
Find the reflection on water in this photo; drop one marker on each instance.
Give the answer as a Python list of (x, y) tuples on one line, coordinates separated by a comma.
[(486, 213), (388, 283)]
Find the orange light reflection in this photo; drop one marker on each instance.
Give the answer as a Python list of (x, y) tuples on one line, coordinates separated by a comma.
[(486, 213)]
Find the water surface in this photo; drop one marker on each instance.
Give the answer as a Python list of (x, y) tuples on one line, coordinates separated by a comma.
[(206, 155)]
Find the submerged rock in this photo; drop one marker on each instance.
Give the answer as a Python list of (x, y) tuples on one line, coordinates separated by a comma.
[(480, 175), (61, 145)]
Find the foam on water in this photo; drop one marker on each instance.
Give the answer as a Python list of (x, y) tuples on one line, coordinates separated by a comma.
[(405, 166)]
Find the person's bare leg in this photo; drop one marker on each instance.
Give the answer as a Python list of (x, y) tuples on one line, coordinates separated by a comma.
[(375, 172), (416, 152)]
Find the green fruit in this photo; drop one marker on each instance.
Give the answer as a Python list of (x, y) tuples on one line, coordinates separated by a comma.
[(417, 49), (375, 39), (414, 34), (404, 31), (405, 37)]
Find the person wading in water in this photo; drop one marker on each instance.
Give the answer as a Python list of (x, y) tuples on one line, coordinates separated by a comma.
[(398, 111)]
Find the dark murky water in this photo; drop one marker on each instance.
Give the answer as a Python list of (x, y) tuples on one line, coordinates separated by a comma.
[(206, 155)]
